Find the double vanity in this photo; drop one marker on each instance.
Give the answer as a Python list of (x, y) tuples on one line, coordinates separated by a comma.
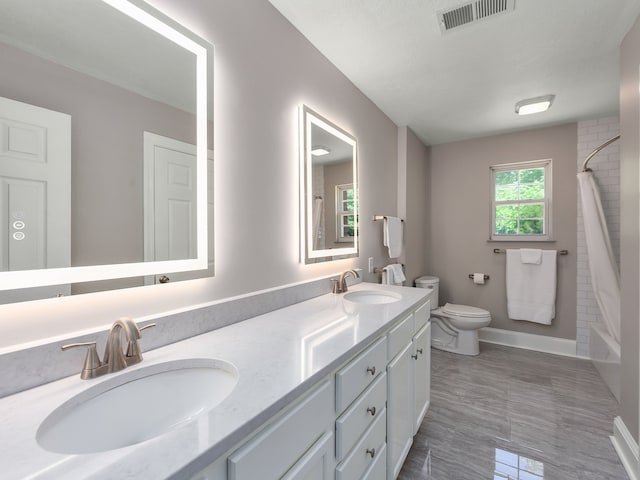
[(332, 387)]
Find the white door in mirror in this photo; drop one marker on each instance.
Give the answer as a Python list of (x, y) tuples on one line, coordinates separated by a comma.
[(35, 180)]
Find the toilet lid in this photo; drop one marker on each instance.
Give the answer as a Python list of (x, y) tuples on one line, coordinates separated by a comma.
[(464, 310)]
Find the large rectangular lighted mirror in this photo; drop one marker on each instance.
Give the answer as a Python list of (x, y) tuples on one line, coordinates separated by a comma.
[(328, 190), (104, 146)]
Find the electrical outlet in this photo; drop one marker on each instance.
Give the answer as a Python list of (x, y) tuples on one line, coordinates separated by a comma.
[(370, 264)]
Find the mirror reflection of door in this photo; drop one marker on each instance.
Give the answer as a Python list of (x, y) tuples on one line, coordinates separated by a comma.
[(170, 204), (35, 204)]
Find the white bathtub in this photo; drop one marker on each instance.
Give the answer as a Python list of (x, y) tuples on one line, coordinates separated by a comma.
[(604, 351)]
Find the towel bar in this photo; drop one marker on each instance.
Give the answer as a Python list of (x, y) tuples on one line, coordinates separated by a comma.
[(379, 270), (486, 277), (377, 218), (561, 252)]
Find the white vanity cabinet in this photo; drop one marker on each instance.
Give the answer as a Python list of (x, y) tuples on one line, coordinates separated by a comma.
[(407, 384), (361, 394), (358, 423), (399, 396), (297, 446), (421, 356)]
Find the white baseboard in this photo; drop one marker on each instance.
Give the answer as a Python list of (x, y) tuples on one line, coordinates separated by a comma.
[(528, 341), (626, 448)]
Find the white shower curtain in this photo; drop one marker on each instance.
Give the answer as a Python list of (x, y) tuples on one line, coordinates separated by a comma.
[(602, 265), (317, 222)]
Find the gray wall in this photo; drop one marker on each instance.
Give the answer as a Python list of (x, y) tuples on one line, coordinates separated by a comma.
[(459, 206), (264, 69), (412, 202), (629, 236)]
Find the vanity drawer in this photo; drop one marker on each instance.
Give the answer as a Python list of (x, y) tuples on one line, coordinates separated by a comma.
[(421, 316), (365, 452), (278, 447), (352, 424), (360, 372), (378, 469), (400, 336)]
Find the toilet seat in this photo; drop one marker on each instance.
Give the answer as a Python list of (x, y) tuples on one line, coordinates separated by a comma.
[(464, 311)]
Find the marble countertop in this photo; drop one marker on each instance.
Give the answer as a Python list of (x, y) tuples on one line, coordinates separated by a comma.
[(278, 355)]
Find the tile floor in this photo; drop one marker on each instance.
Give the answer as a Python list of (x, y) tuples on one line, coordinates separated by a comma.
[(515, 414)]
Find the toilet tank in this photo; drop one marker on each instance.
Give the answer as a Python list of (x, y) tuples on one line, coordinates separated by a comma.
[(432, 283)]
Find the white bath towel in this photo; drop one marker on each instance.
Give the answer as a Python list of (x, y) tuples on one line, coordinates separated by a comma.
[(531, 255), (531, 288), (393, 274), (392, 236)]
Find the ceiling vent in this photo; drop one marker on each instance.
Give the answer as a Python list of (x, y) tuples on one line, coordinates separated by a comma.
[(472, 12)]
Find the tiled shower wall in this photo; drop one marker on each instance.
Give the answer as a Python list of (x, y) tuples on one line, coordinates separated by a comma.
[(606, 170)]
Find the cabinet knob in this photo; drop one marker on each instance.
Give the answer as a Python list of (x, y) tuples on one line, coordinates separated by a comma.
[(371, 370), (371, 451), (372, 411)]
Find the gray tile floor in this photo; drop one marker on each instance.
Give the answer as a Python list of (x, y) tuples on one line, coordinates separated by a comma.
[(515, 414)]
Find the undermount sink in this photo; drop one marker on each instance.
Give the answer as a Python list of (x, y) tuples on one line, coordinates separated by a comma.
[(135, 406), (372, 297)]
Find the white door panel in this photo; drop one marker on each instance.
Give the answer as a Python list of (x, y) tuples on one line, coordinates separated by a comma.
[(35, 192), (170, 203)]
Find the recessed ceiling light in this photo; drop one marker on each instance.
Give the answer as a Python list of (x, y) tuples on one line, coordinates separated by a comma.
[(534, 105), (320, 150)]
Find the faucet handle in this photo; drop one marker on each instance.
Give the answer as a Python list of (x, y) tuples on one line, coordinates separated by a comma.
[(133, 354), (91, 361)]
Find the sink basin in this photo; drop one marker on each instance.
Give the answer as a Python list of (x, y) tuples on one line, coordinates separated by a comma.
[(372, 297), (135, 406)]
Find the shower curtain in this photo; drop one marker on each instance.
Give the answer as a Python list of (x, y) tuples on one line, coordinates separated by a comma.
[(602, 265), (317, 222)]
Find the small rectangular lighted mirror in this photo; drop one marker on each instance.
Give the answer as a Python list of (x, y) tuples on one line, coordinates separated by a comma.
[(328, 190)]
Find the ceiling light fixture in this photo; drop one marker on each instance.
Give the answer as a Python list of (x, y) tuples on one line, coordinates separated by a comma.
[(534, 105), (319, 151)]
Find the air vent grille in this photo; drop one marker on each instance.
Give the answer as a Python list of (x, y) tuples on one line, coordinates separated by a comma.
[(458, 17), (473, 12), (485, 8)]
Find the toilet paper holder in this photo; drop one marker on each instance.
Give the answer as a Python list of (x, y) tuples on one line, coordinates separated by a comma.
[(486, 277)]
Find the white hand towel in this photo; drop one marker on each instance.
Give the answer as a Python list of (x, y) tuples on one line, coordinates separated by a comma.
[(531, 255), (398, 274), (393, 274), (531, 288), (392, 236)]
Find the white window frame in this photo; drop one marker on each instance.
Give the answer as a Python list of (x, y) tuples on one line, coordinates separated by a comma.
[(547, 165), (342, 213)]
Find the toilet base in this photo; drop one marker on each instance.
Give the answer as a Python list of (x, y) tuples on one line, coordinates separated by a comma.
[(465, 343)]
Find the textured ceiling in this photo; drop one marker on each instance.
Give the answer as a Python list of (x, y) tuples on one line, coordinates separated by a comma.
[(465, 83)]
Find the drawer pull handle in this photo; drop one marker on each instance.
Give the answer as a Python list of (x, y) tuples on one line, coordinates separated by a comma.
[(371, 451), (419, 351), (372, 411), (371, 370), (415, 357)]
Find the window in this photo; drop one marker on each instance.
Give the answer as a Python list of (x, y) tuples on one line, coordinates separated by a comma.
[(521, 201), (345, 216)]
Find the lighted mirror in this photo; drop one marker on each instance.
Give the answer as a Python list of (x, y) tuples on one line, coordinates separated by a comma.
[(104, 159), (328, 190)]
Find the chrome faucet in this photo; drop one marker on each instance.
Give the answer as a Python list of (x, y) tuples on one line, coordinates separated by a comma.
[(114, 358), (340, 285)]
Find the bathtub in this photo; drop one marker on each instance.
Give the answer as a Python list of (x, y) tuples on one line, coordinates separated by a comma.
[(605, 356)]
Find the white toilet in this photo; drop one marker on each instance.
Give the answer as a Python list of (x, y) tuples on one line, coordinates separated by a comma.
[(454, 328)]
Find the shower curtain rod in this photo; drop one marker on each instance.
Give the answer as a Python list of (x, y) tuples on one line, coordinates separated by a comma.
[(592, 154)]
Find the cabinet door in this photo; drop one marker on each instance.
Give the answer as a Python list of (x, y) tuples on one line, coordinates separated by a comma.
[(315, 464), (399, 410), (422, 372)]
